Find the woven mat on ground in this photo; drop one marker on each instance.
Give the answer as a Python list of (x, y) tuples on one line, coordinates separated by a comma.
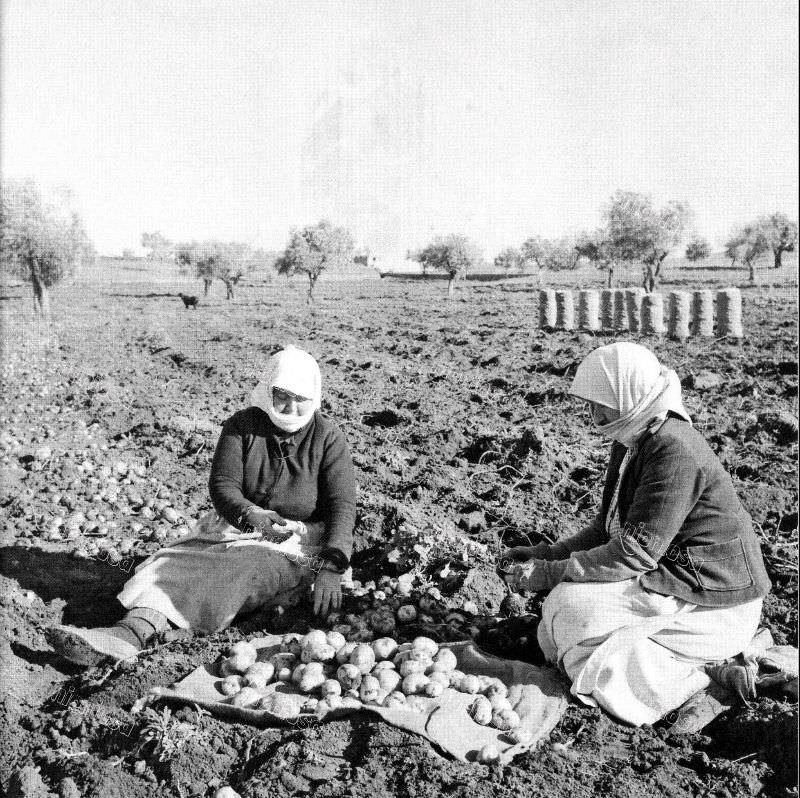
[(538, 695)]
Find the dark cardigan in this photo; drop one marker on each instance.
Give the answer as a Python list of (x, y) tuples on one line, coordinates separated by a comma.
[(306, 476), (685, 531)]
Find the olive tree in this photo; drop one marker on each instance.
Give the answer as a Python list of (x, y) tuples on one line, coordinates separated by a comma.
[(697, 249), (595, 246), (549, 254), (454, 254), (159, 247), (780, 233), (212, 260), (638, 231), (42, 240), (510, 259), (747, 244), (315, 249)]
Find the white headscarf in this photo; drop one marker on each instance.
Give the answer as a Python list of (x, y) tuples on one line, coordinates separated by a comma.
[(294, 371), (628, 378)]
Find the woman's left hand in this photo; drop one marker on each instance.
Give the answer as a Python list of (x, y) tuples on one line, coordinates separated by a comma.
[(531, 576), (327, 591)]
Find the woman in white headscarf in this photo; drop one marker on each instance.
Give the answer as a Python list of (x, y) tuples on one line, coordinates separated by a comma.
[(283, 489), (668, 578)]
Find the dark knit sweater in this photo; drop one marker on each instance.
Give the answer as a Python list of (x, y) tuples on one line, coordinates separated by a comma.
[(306, 476)]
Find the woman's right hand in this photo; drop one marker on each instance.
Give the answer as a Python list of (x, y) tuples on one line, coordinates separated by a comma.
[(269, 524)]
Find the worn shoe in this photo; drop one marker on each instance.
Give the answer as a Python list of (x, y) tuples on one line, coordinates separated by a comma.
[(701, 708), (90, 647)]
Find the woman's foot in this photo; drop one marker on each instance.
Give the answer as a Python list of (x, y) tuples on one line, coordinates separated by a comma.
[(90, 647), (700, 709), (124, 640)]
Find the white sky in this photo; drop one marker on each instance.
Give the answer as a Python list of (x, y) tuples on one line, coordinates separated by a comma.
[(498, 119)]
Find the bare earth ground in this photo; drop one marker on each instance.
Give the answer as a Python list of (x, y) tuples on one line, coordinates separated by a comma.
[(457, 415)]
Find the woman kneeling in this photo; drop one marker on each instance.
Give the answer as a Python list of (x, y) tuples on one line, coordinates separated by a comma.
[(669, 578)]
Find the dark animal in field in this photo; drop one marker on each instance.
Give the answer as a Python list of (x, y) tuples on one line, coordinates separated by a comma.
[(189, 301)]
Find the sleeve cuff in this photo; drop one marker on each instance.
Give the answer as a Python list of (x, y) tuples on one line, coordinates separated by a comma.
[(335, 556)]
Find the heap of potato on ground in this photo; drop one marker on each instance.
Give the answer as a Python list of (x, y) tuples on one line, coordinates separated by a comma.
[(384, 673)]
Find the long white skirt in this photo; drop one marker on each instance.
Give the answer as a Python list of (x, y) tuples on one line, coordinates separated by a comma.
[(203, 580), (636, 653)]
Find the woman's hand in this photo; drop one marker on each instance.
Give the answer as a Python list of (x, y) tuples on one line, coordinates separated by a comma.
[(270, 525), (525, 553), (327, 591)]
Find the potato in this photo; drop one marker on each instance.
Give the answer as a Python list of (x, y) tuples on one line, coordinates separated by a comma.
[(434, 689), (238, 663), (384, 648), (456, 677), (519, 736), (259, 674), (317, 652), (297, 673), (416, 704), (414, 683), (484, 682), (388, 679), (481, 711), (363, 658), (425, 645), (420, 655), (327, 704), (488, 754), (310, 704), (352, 693), (363, 635), (469, 684), (369, 689), (284, 660), (343, 629), (245, 648), (311, 680), (343, 654), (496, 688), (411, 666), (440, 677), (315, 636), (333, 619), (283, 675), (330, 687), (446, 658), (246, 697), (499, 702), (349, 676), (231, 685), (505, 719), (394, 701), (280, 704), (335, 639), (383, 665)]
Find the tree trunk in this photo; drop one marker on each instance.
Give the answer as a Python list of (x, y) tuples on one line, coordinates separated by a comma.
[(206, 286), (649, 282), (751, 264), (610, 275), (310, 295), (778, 257), (41, 299), (228, 289), (451, 284)]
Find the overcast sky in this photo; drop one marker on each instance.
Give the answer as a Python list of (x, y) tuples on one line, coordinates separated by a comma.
[(401, 120)]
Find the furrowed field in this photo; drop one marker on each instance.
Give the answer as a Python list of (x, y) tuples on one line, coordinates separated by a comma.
[(460, 427)]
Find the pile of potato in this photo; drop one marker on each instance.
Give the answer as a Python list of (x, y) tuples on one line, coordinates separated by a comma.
[(329, 669)]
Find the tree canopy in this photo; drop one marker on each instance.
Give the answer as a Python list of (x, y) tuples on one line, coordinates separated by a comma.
[(780, 233), (454, 254), (160, 247), (747, 244), (697, 249), (221, 260), (42, 240), (315, 249)]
